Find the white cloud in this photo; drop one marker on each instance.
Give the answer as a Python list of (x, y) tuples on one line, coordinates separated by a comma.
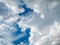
[(42, 5), (5, 34), (42, 16), (51, 38), (6, 27), (36, 9)]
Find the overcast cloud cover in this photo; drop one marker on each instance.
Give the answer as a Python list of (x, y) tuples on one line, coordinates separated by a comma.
[(29, 22)]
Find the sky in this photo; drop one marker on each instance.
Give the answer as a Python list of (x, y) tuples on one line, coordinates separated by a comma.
[(29, 22)]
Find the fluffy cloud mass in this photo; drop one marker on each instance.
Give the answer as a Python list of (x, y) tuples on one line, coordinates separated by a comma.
[(46, 12), (53, 37)]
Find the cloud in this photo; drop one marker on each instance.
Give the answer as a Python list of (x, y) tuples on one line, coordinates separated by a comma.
[(51, 13), (5, 34), (45, 6), (39, 21), (7, 20), (51, 38)]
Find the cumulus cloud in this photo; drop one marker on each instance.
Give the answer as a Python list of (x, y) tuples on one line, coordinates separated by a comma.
[(52, 38), (46, 10), (50, 10), (50, 14)]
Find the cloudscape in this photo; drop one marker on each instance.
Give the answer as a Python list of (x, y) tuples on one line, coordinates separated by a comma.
[(29, 22)]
